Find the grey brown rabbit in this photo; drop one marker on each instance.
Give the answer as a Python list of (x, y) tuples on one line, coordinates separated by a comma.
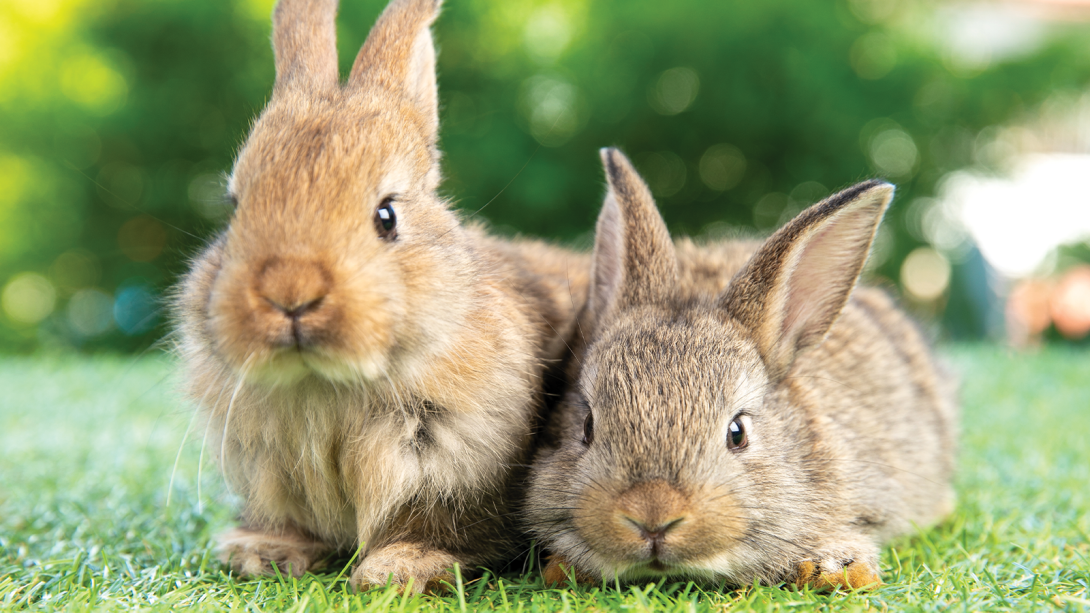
[(370, 370), (741, 411)]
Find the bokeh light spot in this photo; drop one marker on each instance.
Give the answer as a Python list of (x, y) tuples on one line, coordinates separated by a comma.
[(15, 176), (90, 81), (135, 310), (722, 167), (28, 298), (9, 42), (142, 238), (769, 210), (1028, 310), (664, 170), (76, 269), (893, 153), (40, 11), (806, 193), (873, 56), (260, 10), (548, 32), (925, 274), (674, 91), (1018, 220), (977, 35), (551, 107), (873, 11), (90, 312), (1070, 305)]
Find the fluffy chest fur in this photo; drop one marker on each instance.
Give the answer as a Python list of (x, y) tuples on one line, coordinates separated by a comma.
[(342, 464)]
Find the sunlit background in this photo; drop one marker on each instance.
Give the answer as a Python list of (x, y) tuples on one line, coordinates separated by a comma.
[(119, 118)]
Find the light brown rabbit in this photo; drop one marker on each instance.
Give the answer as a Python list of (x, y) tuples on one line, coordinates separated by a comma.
[(370, 370), (740, 412)]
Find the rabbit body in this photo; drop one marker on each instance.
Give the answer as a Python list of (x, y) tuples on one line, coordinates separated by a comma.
[(847, 425), (369, 369)]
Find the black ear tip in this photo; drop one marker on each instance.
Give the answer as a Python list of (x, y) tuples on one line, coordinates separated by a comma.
[(873, 190), (614, 162), (879, 184), (882, 189), (608, 155)]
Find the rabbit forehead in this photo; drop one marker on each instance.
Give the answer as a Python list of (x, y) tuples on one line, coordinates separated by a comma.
[(348, 147), (673, 369)]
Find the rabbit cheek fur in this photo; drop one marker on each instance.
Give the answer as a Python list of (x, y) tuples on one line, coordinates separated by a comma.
[(849, 425), (361, 388)]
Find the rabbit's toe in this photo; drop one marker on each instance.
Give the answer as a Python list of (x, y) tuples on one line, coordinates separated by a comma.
[(431, 570), (557, 571), (836, 572), (252, 552)]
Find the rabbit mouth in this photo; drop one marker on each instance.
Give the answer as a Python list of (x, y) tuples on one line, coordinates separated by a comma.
[(658, 566), (340, 370), (655, 567), (290, 365)]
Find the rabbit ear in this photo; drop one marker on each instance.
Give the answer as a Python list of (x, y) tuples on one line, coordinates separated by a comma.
[(399, 55), (793, 288), (634, 259), (305, 44)]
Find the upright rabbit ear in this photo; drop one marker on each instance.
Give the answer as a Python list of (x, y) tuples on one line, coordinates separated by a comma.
[(399, 55), (793, 289), (634, 259), (305, 44)]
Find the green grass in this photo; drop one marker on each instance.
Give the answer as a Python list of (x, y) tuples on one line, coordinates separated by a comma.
[(88, 446)]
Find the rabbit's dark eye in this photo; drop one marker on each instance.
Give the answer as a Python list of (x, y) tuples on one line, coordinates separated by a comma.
[(736, 435), (588, 429), (386, 219)]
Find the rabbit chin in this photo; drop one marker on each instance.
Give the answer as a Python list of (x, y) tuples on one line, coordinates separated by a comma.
[(721, 567), (731, 564), (655, 569), (290, 366)]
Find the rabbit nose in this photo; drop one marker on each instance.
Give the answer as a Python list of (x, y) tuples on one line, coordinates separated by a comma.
[(296, 311), (657, 534), (293, 287), (653, 508)]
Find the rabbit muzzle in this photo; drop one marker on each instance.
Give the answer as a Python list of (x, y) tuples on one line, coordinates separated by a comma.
[(657, 528), (282, 319), (641, 525)]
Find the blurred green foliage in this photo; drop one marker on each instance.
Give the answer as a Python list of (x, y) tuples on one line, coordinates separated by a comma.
[(118, 119)]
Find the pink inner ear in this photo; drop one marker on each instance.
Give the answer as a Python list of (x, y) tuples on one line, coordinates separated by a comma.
[(824, 272), (608, 254), (422, 84)]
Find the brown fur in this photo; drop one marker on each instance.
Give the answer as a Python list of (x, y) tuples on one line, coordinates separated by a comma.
[(557, 568), (850, 424), (853, 575), (361, 390)]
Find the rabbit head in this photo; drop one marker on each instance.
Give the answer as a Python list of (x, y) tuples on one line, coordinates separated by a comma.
[(674, 457), (340, 258)]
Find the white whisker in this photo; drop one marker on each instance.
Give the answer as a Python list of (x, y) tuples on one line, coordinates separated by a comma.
[(227, 418)]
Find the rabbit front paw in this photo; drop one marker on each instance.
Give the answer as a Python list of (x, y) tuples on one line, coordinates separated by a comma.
[(430, 569), (838, 571), (253, 552), (557, 571)]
